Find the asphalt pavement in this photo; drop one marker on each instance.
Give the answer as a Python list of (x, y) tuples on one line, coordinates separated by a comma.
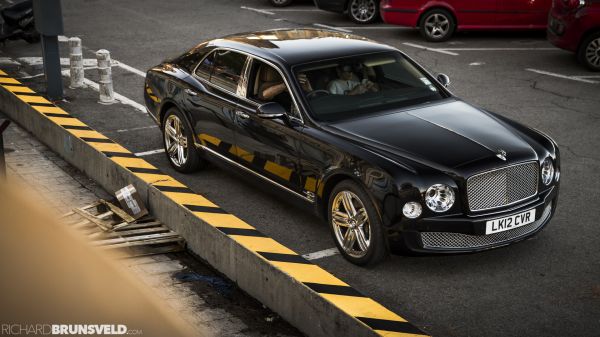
[(545, 286)]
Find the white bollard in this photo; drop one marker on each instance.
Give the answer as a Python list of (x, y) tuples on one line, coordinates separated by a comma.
[(76, 62), (107, 95)]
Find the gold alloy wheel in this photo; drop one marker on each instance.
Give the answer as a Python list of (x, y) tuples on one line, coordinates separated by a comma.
[(351, 224), (175, 140)]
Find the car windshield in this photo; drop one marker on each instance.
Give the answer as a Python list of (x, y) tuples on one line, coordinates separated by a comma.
[(362, 85)]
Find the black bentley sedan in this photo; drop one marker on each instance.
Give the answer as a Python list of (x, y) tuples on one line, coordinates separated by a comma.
[(374, 143)]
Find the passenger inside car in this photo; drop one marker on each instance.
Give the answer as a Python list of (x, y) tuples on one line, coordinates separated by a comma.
[(348, 83), (271, 87)]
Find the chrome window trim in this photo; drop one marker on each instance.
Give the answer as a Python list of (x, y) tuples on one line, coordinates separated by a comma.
[(245, 73), (251, 171), (537, 185)]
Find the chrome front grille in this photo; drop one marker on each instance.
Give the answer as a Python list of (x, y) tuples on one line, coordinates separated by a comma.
[(445, 240), (502, 187)]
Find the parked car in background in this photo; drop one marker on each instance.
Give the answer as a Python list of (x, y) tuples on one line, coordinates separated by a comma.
[(359, 11), (437, 20), (575, 25), (280, 3)]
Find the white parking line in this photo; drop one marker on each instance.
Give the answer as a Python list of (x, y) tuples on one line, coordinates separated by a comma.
[(430, 49), (138, 128), (588, 76), (88, 63), (566, 77), (147, 153), (321, 254), (332, 27), (258, 10), (497, 49), (290, 10), (130, 68), (377, 27)]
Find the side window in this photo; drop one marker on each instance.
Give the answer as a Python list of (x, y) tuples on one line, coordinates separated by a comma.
[(228, 66), (267, 85), (203, 71)]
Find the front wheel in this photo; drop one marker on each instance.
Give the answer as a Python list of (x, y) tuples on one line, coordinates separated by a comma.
[(179, 143), (589, 52), (363, 11), (437, 25), (355, 225)]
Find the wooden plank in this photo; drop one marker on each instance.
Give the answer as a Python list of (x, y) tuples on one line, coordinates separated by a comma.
[(139, 225), (105, 225), (138, 251), (141, 243), (119, 212), (135, 238), (104, 235)]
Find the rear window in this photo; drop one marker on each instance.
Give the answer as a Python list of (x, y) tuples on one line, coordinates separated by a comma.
[(227, 69)]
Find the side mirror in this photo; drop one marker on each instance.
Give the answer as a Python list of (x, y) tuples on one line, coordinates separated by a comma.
[(443, 79), (270, 110)]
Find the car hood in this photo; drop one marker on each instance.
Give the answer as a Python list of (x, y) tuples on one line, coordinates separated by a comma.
[(448, 135)]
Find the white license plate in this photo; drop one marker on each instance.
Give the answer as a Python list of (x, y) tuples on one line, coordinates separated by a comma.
[(509, 222)]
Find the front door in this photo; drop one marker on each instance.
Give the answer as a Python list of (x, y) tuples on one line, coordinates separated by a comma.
[(268, 146)]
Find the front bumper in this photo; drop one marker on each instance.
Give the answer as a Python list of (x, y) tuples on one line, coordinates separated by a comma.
[(456, 234)]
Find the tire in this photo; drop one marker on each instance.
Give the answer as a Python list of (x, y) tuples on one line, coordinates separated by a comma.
[(371, 231), (280, 3), (588, 53), (363, 11), (437, 25), (176, 133)]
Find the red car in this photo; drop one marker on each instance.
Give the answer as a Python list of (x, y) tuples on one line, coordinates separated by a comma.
[(439, 19), (575, 25)]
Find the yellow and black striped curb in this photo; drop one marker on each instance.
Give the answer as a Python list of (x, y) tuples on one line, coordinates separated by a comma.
[(347, 299)]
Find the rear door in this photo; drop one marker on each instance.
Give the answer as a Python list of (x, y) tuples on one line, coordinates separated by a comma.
[(213, 109), (524, 13), (475, 13)]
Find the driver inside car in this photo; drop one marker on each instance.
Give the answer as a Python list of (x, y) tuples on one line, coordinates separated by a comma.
[(349, 84)]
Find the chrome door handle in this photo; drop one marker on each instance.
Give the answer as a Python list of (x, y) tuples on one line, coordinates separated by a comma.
[(191, 92), (242, 114)]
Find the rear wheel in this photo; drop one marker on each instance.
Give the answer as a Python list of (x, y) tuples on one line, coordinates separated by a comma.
[(437, 25), (589, 52), (363, 11), (355, 225), (179, 143), (280, 3)]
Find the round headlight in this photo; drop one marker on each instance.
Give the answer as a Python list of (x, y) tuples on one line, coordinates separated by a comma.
[(439, 198), (547, 171), (412, 210)]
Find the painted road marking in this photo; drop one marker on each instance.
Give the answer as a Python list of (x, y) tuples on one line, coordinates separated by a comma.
[(376, 27), (332, 27), (148, 153), (365, 310), (572, 78), (136, 129), (430, 49), (118, 97), (321, 254), (291, 10), (498, 49), (258, 10), (88, 63)]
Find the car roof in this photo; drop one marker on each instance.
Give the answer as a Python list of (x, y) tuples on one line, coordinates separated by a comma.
[(296, 46)]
